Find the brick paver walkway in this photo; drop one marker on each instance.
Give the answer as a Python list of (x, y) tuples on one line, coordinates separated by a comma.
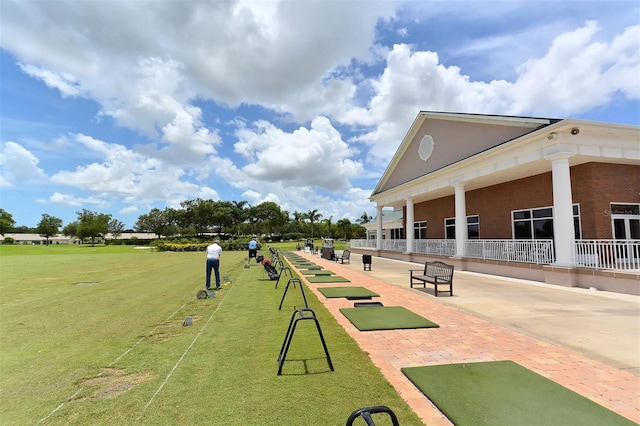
[(463, 337)]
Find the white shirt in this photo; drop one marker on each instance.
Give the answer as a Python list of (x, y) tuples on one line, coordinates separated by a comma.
[(214, 251)]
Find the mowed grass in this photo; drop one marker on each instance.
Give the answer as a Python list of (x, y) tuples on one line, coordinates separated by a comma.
[(94, 335)]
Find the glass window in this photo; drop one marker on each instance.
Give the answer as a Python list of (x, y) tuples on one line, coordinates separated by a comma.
[(420, 230), (473, 228), (397, 233), (538, 223)]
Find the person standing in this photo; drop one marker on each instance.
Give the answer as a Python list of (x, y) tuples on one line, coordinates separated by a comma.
[(253, 250), (213, 262)]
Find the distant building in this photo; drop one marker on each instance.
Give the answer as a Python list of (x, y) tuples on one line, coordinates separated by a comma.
[(392, 225), (36, 239)]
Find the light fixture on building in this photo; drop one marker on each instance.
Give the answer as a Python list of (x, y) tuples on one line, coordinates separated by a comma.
[(575, 131)]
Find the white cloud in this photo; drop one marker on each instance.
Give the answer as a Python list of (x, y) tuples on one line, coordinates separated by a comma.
[(578, 73), (72, 200), (66, 84), (305, 157), (19, 166), (123, 172)]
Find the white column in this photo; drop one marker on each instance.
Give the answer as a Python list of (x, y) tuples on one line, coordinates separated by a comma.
[(378, 227), (563, 229), (409, 225), (461, 219)]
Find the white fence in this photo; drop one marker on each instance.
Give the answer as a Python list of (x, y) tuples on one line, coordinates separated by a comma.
[(598, 254), (608, 254)]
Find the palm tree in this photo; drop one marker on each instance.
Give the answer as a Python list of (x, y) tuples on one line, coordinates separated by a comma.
[(344, 224), (297, 218), (365, 218), (313, 217), (239, 214), (328, 222)]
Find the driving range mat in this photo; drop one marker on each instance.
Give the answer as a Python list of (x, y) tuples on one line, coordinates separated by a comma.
[(385, 318), (335, 292), (505, 393)]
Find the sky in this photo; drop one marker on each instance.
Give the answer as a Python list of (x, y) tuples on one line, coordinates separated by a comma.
[(120, 107)]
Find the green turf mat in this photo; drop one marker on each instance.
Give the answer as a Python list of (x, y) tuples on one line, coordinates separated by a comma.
[(327, 279), (385, 318), (334, 292), (309, 268), (317, 272), (505, 393)]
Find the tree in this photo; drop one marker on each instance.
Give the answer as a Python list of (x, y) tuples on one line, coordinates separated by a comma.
[(365, 218), (92, 224), (116, 227), (329, 222), (222, 215), (239, 214), (198, 214), (313, 216), (48, 226), (71, 230), (6, 221), (298, 217), (345, 225), (269, 215), (160, 222)]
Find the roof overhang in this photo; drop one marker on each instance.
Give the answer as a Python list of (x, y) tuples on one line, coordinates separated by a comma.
[(529, 155)]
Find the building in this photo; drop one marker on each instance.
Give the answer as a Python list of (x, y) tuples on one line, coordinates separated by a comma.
[(552, 200), (37, 239), (392, 225)]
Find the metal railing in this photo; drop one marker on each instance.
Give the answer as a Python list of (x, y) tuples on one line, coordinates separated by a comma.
[(608, 254), (527, 251), (597, 254)]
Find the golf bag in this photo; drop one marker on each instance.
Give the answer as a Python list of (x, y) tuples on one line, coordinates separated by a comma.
[(272, 272), (259, 258)]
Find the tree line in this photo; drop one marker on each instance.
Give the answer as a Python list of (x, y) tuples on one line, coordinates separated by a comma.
[(198, 218)]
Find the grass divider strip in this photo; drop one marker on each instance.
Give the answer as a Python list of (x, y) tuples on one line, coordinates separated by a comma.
[(166, 379), (140, 340)]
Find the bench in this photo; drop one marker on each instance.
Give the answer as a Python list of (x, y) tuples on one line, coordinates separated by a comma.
[(436, 273), (346, 255)]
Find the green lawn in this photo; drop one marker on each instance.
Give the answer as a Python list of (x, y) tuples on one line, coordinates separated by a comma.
[(94, 335)]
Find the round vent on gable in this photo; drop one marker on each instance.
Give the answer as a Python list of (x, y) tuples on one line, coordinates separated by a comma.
[(426, 147)]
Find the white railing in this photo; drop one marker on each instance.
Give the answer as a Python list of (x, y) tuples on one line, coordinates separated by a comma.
[(597, 254), (608, 254), (527, 251), (440, 247), (368, 244)]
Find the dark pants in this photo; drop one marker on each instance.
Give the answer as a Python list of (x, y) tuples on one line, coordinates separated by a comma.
[(215, 265)]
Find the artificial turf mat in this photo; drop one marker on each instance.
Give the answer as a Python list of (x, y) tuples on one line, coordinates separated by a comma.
[(385, 318), (505, 393), (317, 272), (334, 292), (327, 279)]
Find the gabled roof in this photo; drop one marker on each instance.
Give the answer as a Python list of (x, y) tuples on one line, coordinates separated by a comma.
[(390, 218), (531, 123), (478, 151)]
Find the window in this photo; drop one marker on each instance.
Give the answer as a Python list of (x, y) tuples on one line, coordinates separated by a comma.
[(625, 221), (397, 233), (537, 224), (420, 230), (473, 228)]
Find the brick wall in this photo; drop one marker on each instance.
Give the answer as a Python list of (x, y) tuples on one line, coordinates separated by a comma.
[(594, 187)]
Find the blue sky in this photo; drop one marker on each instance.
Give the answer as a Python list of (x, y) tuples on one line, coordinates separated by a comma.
[(120, 107)]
